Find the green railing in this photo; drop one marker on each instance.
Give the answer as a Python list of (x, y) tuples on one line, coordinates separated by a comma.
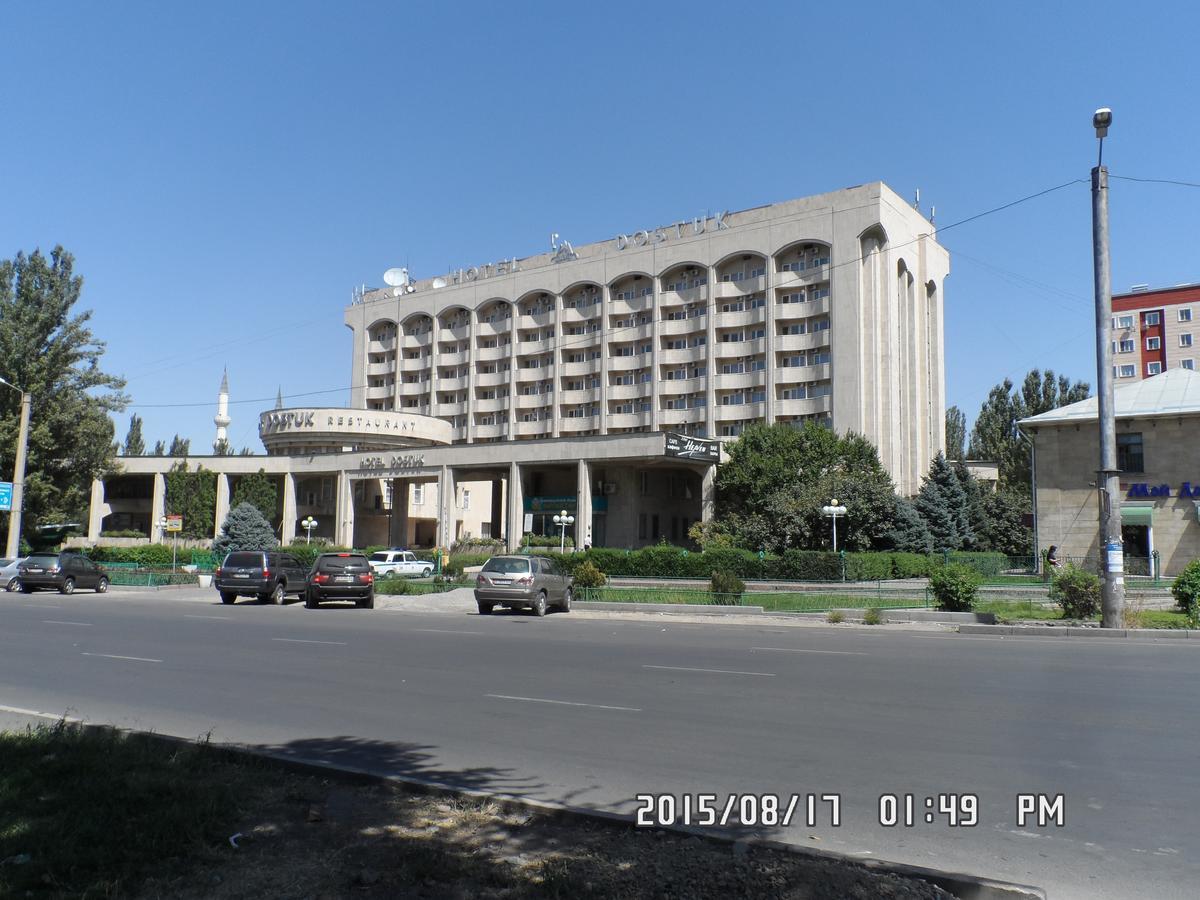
[(143, 578), (854, 596)]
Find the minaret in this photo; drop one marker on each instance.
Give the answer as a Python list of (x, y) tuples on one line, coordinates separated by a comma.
[(221, 419), (279, 398)]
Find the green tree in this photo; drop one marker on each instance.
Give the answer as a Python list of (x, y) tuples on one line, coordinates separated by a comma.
[(956, 433), (134, 445), (258, 490), (943, 505), (222, 447), (160, 449), (47, 349), (192, 495), (1004, 529), (244, 529), (179, 446), (995, 437), (909, 533)]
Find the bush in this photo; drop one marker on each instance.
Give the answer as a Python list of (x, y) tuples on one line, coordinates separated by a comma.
[(868, 566), (588, 576), (873, 617), (835, 616), (728, 584), (909, 565), (145, 555), (1077, 592), (245, 528), (1186, 591), (124, 533), (807, 565), (954, 587)]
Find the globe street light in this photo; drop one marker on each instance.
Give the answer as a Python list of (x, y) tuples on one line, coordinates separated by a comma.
[(562, 520), (833, 510), (308, 523), (18, 485)]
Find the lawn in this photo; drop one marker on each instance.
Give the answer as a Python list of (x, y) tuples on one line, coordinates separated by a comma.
[(772, 601), (1007, 611)]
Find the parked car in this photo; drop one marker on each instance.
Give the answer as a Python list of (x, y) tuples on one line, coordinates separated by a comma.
[(399, 562), (523, 582), (265, 574), (9, 579), (62, 572), (341, 576)]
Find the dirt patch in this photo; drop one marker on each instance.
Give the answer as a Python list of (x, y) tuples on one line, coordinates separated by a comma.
[(312, 838)]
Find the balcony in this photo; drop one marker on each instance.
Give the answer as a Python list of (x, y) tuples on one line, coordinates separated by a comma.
[(815, 275), (459, 358), (628, 420), (568, 425), (570, 315), (799, 374), (381, 345), (541, 428), (629, 391), (631, 332), (453, 384), (452, 409), (491, 379), (535, 401), (381, 368), (802, 310), (578, 369), (789, 342), (492, 354), (741, 380), (625, 363), (736, 412), (538, 320), (671, 417), (728, 289), (488, 329), (457, 333), (540, 345), (684, 327), (746, 317), (682, 357), (803, 407), (637, 304), (413, 341), (386, 392), (412, 388), (688, 295), (683, 385), (575, 398), (492, 431), (497, 404), (727, 349)]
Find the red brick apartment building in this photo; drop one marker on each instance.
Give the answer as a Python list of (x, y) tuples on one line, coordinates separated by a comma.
[(1154, 330)]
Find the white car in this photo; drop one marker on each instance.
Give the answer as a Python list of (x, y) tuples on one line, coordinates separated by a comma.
[(8, 574), (400, 562)]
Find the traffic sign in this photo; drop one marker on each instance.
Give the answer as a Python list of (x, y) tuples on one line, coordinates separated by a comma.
[(6, 496), (174, 523)]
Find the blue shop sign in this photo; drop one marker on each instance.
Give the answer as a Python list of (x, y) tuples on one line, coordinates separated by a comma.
[(1150, 491)]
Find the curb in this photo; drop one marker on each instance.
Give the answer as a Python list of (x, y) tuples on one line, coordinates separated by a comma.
[(1076, 631), (960, 884), (691, 609)]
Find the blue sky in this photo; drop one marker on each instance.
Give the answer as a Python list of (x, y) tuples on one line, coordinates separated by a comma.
[(225, 173)]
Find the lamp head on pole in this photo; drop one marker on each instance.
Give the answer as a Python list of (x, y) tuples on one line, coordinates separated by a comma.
[(1101, 119)]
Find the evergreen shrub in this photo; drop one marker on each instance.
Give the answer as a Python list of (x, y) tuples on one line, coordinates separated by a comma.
[(955, 586), (1077, 591)]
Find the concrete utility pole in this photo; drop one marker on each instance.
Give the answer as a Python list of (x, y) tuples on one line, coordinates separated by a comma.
[(18, 490), (1108, 480)]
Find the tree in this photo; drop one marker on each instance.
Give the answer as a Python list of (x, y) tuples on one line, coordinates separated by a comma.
[(222, 447), (942, 503), (179, 446), (134, 445), (956, 433), (160, 448), (909, 533), (47, 349), (995, 436), (258, 490), (1004, 529), (192, 495), (244, 529)]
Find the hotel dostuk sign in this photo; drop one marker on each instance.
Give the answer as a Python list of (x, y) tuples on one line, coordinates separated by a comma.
[(316, 420), (684, 447), (697, 226)]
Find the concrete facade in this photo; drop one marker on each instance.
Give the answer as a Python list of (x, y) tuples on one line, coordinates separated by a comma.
[(1155, 330)]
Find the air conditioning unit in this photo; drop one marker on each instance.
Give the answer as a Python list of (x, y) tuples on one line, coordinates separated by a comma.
[(610, 487)]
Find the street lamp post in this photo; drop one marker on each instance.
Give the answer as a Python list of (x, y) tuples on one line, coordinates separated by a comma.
[(562, 520), (833, 510), (308, 523), (162, 524), (18, 489), (1108, 480)]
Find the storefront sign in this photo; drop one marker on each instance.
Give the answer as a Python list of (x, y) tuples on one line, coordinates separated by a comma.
[(698, 225), (396, 463), (1141, 489), (685, 447)]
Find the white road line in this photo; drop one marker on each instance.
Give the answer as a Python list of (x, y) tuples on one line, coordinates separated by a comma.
[(444, 631), (563, 702), (114, 656), (34, 712), (302, 641), (218, 618), (39, 606), (795, 650), (713, 671), (55, 622)]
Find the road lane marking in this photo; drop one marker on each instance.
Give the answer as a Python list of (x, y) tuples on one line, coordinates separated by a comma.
[(302, 641), (713, 671), (563, 702), (795, 650), (39, 606), (114, 656), (41, 715), (218, 618), (56, 622), (444, 631)]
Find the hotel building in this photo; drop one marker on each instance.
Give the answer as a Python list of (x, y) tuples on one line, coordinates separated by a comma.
[(1154, 330)]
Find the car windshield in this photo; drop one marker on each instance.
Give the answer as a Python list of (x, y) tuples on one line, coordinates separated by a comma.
[(43, 559), (506, 565), (6, 562), (244, 560), (337, 563)]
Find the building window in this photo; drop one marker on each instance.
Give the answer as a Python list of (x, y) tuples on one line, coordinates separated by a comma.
[(466, 499), (1124, 321), (1151, 318), (1187, 364), (1185, 314), (1153, 343), (641, 526), (1153, 368), (1127, 346), (1127, 372), (1185, 340), (1129, 452), (418, 495), (643, 483)]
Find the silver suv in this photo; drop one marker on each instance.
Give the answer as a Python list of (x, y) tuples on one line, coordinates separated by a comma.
[(523, 582)]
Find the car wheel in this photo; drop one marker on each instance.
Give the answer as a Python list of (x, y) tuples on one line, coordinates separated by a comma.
[(485, 609), (276, 595), (14, 585), (228, 598), (68, 586), (565, 606), (425, 573), (102, 586), (310, 602), (539, 604), (369, 603)]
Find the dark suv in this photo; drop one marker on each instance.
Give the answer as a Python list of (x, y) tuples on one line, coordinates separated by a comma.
[(264, 574), (61, 571), (341, 576)]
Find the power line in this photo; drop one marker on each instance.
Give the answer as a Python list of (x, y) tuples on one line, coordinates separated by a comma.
[(1190, 184)]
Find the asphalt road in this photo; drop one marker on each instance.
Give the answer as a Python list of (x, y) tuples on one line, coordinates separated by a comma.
[(592, 711)]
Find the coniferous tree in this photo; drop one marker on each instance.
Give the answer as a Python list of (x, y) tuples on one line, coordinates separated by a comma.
[(956, 433), (160, 449), (222, 447), (909, 533), (943, 505), (192, 495), (179, 446), (134, 444), (244, 529), (258, 490)]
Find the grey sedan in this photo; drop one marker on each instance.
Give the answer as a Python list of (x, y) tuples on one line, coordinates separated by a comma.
[(8, 574), (523, 582)]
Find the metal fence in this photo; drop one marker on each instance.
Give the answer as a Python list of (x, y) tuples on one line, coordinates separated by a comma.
[(855, 595)]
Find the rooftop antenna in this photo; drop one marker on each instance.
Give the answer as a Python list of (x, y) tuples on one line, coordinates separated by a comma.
[(933, 216), (917, 201)]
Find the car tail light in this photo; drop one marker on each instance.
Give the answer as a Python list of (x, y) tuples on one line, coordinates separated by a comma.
[(217, 572), (320, 578), (367, 579), (528, 579), (266, 573)]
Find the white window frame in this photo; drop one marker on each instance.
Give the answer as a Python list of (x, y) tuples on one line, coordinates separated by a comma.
[(1153, 368), (1185, 314), (1153, 343), (1127, 372), (1187, 364), (1152, 318), (1185, 339)]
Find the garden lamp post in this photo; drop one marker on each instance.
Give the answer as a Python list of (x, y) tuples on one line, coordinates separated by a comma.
[(308, 523), (162, 526), (562, 520), (833, 510), (18, 485)]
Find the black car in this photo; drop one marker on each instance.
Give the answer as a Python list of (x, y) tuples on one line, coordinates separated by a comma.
[(341, 576), (264, 574), (62, 572)]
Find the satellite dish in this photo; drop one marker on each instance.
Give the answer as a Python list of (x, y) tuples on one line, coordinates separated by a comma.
[(439, 282), (396, 277)]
